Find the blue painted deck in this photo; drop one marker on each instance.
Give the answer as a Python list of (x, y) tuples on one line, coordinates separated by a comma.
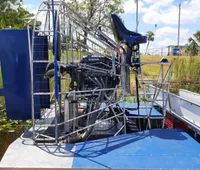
[(130, 106), (134, 105), (151, 149), (166, 148), (154, 112)]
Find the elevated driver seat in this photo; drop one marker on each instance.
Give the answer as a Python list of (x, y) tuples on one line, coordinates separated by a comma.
[(124, 35), (130, 38)]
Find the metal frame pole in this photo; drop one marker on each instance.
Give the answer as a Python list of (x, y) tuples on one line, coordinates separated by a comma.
[(144, 90), (137, 21), (179, 24), (31, 53), (55, 70), (163, 92), (31, 84), (167, 95)]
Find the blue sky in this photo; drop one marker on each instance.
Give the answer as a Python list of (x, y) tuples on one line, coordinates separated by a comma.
[(164, 13)]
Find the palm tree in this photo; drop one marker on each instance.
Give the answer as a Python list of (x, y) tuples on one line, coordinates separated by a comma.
[(197, 36), (150, 37), (192, 46)]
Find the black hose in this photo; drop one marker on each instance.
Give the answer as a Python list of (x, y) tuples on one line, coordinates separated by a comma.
[(137, 90)]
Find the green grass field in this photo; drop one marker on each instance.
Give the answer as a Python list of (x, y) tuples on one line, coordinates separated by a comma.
[(184, 67), (185, 72)]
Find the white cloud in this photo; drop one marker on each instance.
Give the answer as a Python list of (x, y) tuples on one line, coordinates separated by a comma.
[(165, 11), (166, 36), (150, 1), (169, 31), (152, 17), (158, 5), (28, 6), (190, 12), (146, 5), (167, 41), (32, 8), (130, 6), (159, 2)]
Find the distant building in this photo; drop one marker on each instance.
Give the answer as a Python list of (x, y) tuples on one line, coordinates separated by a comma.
[(174, 50)]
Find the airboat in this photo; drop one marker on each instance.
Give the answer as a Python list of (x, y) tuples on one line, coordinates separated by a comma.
[(73, 81)]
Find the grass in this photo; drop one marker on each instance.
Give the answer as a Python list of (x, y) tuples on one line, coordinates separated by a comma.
[(151, 71), (187, 69), (185, 73), (184, 68)]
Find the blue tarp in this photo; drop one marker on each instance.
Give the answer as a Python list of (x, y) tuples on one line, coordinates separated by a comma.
[(15, 65)]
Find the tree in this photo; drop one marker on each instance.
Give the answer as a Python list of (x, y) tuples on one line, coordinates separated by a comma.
[(98, 12), (150, 37), (12, 14), (192, 46), (197, 36)]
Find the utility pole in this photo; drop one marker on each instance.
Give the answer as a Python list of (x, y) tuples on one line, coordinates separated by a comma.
[(154, 47), (127, 69), (179, 23), (49, 18), (137, 20)]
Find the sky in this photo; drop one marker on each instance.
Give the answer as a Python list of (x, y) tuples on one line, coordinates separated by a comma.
[(163, 13)]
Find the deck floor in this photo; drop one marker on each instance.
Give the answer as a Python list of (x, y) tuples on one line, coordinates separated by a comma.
[(155, 149)]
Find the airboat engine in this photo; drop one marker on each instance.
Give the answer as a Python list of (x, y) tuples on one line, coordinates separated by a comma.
[(90, 75), (93, 72)]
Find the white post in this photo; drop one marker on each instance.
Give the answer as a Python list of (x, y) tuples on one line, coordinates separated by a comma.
[(137, 21)]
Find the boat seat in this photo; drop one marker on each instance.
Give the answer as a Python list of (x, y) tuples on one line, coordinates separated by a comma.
[(124, 35)]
